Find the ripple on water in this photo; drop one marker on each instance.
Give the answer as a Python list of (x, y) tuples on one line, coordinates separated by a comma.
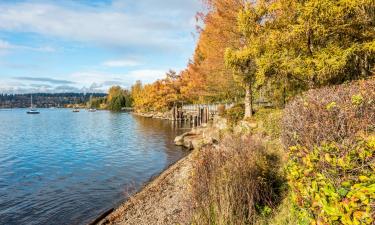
[(62, 168)]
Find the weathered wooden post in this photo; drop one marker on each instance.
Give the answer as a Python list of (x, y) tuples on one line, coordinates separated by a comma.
[(173, 113), (199, 116), (221, 109), (206, 114), (202, 115), (195, 122)]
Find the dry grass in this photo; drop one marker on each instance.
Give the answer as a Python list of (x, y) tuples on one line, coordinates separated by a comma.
[(235, 182)]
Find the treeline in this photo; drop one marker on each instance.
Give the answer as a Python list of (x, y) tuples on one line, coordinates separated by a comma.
[(271, 50), (44, 100)]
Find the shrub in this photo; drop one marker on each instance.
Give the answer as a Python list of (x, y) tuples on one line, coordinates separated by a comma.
[(333, 184), (235, 114), (269, 121), (331, 114), (331, 169), (235, 182)]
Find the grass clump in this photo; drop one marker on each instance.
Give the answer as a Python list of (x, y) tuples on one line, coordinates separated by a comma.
[(236, 182)]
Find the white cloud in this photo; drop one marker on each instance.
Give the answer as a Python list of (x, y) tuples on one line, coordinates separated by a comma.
[(122, 63), (126, 79), (145, 75), (6, 46), (147, 23)]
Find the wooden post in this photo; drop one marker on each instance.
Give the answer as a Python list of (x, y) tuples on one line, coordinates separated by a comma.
[(199, 116), (177, 113), (174, 113), (202, 115), (206, 114)]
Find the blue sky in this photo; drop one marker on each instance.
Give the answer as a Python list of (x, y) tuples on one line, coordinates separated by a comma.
[(90, 45)]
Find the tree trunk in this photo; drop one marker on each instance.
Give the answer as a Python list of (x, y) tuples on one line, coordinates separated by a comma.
[(248, 101)]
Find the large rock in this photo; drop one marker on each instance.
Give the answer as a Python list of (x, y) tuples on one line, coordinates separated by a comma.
[(179, 140), (190, 140), (193, 142)]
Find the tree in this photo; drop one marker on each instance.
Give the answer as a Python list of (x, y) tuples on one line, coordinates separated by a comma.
[(243, 65), (243, 61), (118, 98), (206, 77), (158, 96), (326, 42)]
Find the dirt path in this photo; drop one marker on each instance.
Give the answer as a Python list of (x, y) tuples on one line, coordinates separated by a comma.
[(166, 200)]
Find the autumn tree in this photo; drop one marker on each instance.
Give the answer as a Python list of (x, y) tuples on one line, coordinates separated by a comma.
[(243, 60), (326, 42), (137, 95), (206, 77), (158, 96)]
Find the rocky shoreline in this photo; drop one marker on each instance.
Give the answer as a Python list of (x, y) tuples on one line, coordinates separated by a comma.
[(155, 115), (166, 199)]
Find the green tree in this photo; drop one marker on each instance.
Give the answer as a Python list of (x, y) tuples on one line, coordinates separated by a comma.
[(243, 61), (118, 98), (326, 42)]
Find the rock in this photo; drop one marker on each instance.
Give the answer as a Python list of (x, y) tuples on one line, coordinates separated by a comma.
[(190, 140), (179, 140), (197, 142), (193, 142)]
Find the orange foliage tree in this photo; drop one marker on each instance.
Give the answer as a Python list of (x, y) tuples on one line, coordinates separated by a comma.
[(206, 78), (158, 96)]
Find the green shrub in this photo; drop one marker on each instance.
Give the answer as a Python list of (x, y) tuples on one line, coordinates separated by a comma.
[(269, 121), (331, 168), (334, 184)]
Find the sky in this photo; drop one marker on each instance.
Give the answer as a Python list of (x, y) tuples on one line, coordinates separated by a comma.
[(90, 45)]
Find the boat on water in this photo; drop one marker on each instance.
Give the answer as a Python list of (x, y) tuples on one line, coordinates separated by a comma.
[(32, 109), (75, 110), (91, 109)]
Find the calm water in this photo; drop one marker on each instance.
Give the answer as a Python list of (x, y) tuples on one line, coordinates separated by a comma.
[(61, 167)]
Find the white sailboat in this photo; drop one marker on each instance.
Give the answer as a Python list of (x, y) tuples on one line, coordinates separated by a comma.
[(91, 109), (32, 109)]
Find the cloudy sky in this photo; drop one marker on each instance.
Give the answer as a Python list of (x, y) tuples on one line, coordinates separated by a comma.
[(89, 45)]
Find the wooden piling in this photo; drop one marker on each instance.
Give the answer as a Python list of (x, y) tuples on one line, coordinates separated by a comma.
[(174, 113)]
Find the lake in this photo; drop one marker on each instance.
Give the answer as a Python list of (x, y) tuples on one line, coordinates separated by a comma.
[(61, 167)]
